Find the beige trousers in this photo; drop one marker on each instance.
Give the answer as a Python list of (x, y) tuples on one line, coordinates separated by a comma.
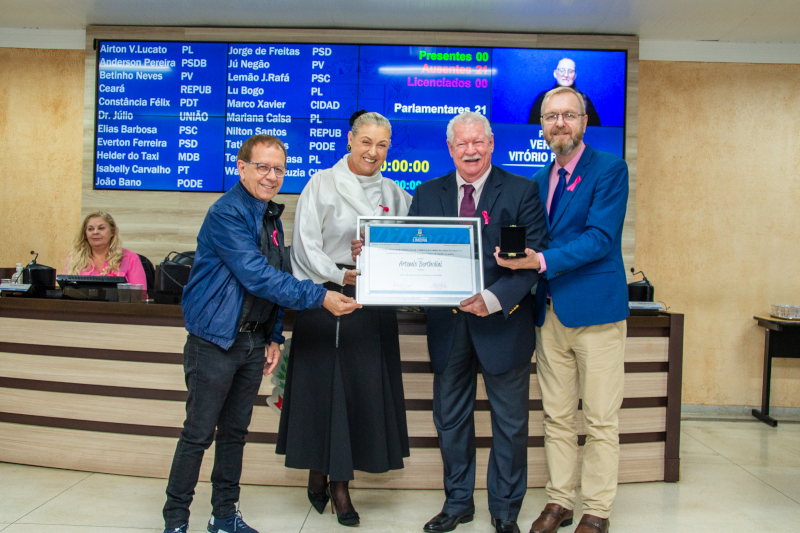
[(584, 362)]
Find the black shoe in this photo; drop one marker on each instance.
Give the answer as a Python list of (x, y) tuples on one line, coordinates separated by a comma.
[(318, 501), (319, 482), (345, 519), (505, 526), (446, 522)]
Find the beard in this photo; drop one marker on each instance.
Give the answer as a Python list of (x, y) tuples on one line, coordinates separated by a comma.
[(564, 147)]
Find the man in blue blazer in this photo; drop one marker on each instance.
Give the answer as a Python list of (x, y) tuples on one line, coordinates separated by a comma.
[(491, 330), (581, 307)]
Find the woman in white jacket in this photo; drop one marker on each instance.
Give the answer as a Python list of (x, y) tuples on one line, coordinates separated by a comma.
[(344, 408)]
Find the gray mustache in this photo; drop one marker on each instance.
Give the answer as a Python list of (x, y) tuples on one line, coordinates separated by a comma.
[(471, 158)]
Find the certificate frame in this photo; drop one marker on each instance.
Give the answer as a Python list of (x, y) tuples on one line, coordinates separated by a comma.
[(419, 261)]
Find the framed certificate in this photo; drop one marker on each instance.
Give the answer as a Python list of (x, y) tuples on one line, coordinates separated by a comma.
[(419, 261)]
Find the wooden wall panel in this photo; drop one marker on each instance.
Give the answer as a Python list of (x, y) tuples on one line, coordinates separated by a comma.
[(637, 349), (66, 372), (102, 336), (138, 411), (170, 377), (172, 339), (135, 455), (93, 371)]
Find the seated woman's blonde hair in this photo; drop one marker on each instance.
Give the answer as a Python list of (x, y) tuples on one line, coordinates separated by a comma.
[(80, 258)]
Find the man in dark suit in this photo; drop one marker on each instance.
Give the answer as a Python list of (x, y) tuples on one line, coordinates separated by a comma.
[(491, 330), (581, 305)]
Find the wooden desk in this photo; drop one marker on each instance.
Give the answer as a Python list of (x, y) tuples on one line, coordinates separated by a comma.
[(99, 387), (781, 339)]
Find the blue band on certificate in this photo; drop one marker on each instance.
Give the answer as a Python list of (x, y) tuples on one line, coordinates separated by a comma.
[(411, 234)]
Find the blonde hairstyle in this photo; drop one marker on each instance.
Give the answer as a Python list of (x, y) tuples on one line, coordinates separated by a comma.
[(80, 259), (559, 90)]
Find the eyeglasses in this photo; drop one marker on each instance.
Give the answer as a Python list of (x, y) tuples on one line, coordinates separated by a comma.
[(264, 169), (568, 71), (552, 118)]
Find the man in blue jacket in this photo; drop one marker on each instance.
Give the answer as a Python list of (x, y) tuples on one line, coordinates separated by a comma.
[(580, 315), (232, 307)]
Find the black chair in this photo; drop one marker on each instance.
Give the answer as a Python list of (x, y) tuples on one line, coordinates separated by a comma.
[(171, 277), (149, 273)]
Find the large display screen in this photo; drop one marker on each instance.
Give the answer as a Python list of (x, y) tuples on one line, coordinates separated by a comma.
[(172, 115)]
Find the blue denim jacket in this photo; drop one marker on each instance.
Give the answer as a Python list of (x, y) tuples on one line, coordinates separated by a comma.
[(229, 261)]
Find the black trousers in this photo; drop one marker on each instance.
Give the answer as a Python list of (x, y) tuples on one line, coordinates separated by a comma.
[(223, 386), (453, 414)]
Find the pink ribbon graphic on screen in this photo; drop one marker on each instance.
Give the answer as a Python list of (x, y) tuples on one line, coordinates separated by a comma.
[(485, 218), (574, 184)]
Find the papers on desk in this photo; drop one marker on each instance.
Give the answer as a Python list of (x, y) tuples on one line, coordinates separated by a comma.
[(15, 287)]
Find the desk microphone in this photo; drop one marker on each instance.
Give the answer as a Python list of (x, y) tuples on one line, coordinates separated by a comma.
[(640, 291), (644, 278), (33, 261)]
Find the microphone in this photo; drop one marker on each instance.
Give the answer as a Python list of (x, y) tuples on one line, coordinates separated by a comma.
[(644, 278), (33, 261)]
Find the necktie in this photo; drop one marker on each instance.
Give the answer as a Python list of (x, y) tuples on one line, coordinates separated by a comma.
[(467, 203), (562, 182)]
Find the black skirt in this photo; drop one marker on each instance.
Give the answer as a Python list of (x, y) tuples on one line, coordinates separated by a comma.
[(343, 407)]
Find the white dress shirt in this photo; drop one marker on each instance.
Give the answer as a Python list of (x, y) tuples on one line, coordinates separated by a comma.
[(491, 301)]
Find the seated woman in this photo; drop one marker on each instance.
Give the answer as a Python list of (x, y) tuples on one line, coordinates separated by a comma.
[(98, 251)]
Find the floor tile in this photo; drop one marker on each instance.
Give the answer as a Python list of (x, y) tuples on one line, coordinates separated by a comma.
[(401, 511), (735, 476), (37, 528), (709, 498), (693, 451), (385, 511), (137, 503), (24, 488), (272, 509), (749, 443), (786, 479), (104, 500)]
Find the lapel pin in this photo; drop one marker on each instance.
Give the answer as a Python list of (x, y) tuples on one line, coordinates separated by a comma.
[(485, 218), (575, 183), (386, 209)]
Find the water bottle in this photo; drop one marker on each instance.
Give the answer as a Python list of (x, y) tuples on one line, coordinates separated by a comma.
[(17, 277)]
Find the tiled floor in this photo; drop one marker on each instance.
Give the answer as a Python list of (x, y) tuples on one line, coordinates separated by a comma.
[(736, 476)]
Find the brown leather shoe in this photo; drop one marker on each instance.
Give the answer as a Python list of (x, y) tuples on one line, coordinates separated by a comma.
[(592, 524), (553, 517)]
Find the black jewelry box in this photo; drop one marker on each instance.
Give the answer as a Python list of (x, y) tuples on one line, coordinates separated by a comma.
[(512, 241)]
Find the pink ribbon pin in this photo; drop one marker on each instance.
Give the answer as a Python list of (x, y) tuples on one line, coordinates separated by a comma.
[(485, 218), (275, 237), (386, 209), (574, 184)]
